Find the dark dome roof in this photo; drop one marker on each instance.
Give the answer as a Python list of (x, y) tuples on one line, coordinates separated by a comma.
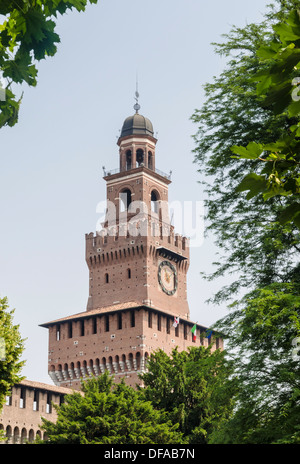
[(137, 124)]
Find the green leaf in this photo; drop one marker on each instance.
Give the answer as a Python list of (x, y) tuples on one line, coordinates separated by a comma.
[(252, 151), (254, 183), (286, 32), (289, 213)]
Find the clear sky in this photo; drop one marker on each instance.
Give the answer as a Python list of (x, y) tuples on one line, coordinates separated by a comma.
[(51, 161)]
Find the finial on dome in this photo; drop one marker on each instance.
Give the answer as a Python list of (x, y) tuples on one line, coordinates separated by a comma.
[(137, 106)]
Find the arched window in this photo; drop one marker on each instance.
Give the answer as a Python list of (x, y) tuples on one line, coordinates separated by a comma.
[(139, 157), (125, 200), (154, 201)]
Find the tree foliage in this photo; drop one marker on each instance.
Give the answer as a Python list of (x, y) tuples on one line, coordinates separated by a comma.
[(109, 413), (27, 35), (262, 334), (193, 387), (259, 121), (254, 246), (278, 90), (11, 349)]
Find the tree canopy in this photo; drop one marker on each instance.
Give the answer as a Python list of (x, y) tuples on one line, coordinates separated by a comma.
[(255, 248), (256, 189), (27, 35), (278, 90), (109, 413), (193, 387), (11, 349)]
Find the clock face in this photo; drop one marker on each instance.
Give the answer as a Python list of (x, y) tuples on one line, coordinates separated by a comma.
[(167, 277)]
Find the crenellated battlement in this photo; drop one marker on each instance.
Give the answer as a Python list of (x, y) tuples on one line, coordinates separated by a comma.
[(135, 236)]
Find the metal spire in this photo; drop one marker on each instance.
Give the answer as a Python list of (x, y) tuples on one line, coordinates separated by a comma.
[(137, 106)]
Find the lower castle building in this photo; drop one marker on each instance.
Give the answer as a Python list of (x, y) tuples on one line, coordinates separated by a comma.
[(137, 299)]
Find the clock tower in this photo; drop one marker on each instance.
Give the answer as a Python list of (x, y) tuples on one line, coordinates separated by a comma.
[(137, 275)]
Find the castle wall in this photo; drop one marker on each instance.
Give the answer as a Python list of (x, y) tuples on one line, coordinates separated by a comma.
[(119, 341), (20, 418)]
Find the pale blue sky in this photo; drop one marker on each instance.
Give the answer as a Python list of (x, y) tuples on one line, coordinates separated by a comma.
[(51, 161)]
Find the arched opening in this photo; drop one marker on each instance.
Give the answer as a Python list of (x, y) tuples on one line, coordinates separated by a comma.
[(128, 160), (103, 362), (16, 436), (8, 434), (138, 360), (31, 436), (154, 201), (23, 435), (91, 367), (124, 362), (130, 359), (139, 157), (125, 200)]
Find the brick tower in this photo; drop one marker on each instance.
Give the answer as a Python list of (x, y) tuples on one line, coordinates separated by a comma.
[(137, 275)]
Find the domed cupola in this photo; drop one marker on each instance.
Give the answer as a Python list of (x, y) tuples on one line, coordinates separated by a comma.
[(137, 125), (137, 142)]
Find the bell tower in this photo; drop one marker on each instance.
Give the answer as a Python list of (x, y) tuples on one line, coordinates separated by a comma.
[(137, 268), (137, 254)]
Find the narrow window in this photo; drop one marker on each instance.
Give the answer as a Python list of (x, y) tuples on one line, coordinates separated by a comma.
[(82, 328), (57, 332), (125, 200), (168, 325), (129, 273), (150, 319), (49, 405), (177, 331), (22, 398), (36, 400), (70, 329), (185, 331), (132, 319), (107, 323), (94, 325), (158, 322), (119, 321), (154, 201), (106, 278)]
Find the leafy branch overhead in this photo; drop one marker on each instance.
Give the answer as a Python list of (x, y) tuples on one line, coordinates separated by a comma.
[(278, 90), (27, 35)]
